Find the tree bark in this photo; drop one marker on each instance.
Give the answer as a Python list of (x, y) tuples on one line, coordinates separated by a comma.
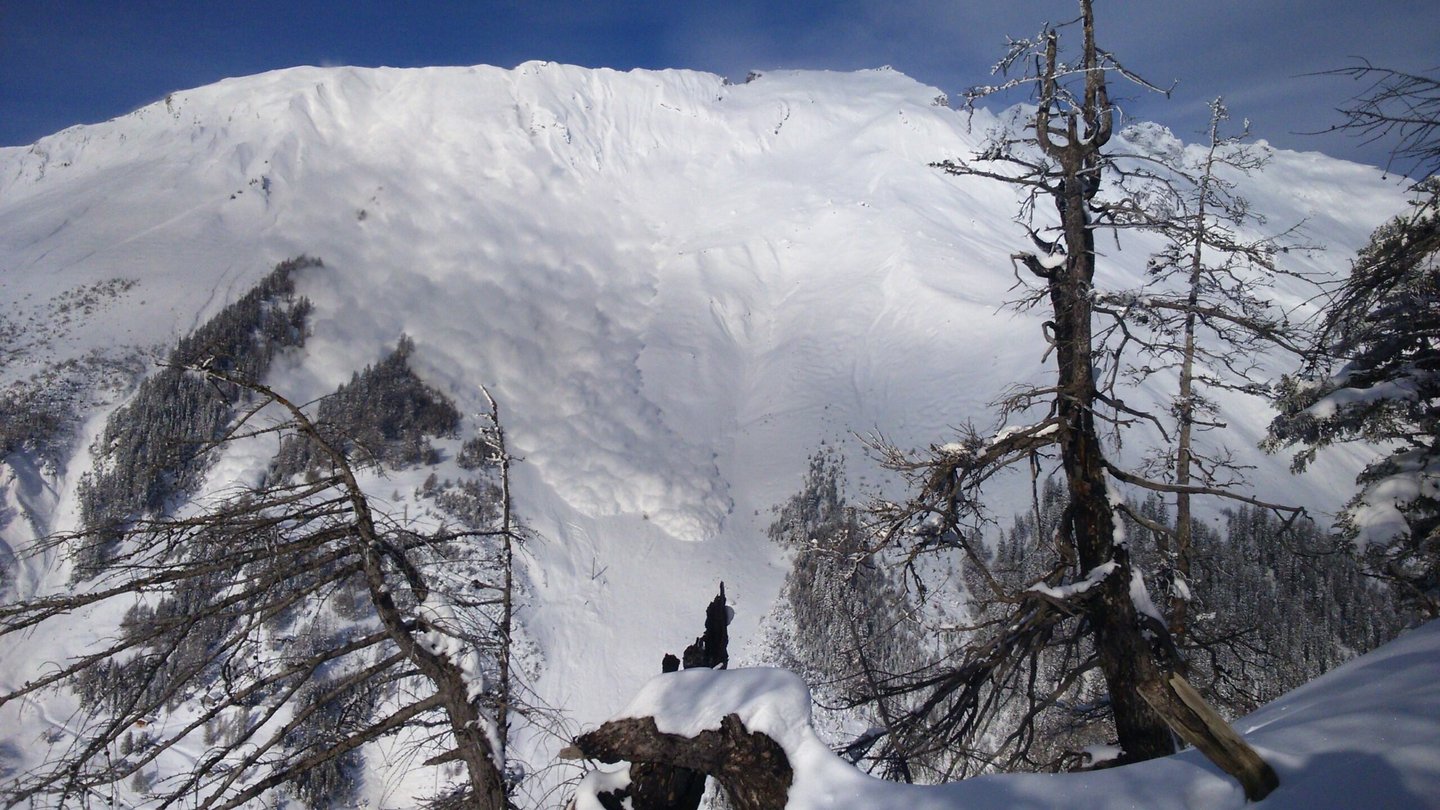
[(751, 767), (1194, 720), (1123, 653)]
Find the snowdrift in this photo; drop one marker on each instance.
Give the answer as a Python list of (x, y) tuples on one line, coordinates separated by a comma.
[(1366, 735)]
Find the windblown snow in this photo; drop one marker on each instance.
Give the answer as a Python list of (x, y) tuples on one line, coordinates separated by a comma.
[(676, 287)]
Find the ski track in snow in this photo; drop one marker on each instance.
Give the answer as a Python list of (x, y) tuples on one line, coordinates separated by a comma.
[(677, 289)]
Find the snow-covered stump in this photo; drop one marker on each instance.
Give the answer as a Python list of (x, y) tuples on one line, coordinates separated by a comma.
[(752, 767), (750, 729), (662, 786)]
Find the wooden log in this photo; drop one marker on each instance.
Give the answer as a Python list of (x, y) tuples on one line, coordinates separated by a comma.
[(1191, 717)]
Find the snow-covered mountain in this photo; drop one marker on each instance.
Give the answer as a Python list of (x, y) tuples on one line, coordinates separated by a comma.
[(676, 287)]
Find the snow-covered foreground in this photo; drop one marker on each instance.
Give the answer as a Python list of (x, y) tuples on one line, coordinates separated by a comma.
[(1364, 737), (677, 288)]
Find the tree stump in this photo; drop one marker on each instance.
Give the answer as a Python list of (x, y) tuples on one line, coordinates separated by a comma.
[(751, 767), (655, 785)]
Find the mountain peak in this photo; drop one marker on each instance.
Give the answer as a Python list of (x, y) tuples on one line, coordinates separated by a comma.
[(677, 287)]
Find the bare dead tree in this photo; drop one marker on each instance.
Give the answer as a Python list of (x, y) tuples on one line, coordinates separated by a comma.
[(1061, 157), (509, 536), (1397, 107), (223, 652), (1207, 314)]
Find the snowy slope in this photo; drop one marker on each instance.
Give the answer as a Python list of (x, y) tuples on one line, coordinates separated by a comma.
[(676, 288), (1366, 735)]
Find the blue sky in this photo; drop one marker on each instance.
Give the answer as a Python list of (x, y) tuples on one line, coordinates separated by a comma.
[(65, 62)]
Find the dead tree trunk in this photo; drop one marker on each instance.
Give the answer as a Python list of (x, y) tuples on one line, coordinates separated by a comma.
[(1075, 141), (1199, 725), (468, 725), (751, 767), (1072, 125)]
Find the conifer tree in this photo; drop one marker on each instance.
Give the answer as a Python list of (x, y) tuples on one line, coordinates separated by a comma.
[(1374, 375), (1377, 379)]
